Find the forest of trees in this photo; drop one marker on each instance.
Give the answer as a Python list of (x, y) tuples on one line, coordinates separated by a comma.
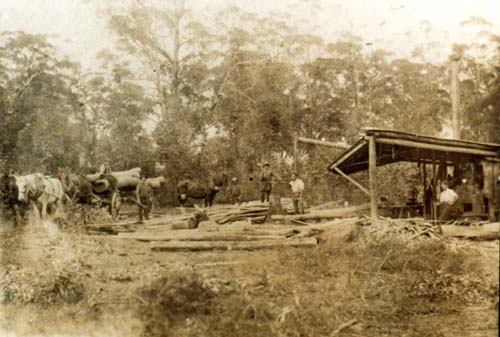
[(182, 97)]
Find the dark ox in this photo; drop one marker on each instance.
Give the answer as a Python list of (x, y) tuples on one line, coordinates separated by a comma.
[(76, 186), (188, 189), (10, 198)]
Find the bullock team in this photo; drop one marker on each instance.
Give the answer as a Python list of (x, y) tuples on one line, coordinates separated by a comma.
[(46, 194)]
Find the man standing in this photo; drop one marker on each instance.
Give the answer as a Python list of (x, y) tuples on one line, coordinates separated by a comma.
[(234, 192), (297, 186), (447, 201), (266, 182), (105, 168), (144, 195)]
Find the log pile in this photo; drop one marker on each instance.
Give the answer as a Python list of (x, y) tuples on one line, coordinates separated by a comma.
[(135, 173), (124, 179)]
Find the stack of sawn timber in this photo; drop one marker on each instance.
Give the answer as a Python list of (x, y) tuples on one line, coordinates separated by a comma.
[(257, 213), (254, 211)]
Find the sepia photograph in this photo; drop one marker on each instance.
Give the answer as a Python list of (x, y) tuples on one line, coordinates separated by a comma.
[(249, 168)]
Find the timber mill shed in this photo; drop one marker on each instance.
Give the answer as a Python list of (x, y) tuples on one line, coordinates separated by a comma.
[(474, 165)]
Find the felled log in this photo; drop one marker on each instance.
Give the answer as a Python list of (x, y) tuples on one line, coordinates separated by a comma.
[(103, 185), (325, 214), (127, 181), (196, 236), (490, 231), (135, 172), (155, 182), (233, 245)]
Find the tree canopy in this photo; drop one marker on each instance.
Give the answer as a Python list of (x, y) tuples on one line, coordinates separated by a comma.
[(185, 95)]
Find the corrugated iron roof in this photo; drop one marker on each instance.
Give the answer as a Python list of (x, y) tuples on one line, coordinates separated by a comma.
[(394, 146)]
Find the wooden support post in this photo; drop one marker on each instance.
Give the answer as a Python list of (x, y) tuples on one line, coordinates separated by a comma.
[(295, 153), (372, 171), (434, 189), (424, 174)]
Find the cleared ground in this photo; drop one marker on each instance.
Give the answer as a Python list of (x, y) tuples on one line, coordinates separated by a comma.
[(353, 283)]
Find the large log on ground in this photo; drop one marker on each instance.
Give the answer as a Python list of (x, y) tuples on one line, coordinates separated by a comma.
[(490, 231), (200, 237), (325, 214), (232, 245)]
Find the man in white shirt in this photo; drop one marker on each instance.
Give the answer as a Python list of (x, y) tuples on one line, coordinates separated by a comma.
[(447, 201), (297, 186)]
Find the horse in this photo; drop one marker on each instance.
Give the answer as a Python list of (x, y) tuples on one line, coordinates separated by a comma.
[(200, 190), (39, 190)]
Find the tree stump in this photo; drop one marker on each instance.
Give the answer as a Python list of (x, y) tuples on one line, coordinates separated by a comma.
[(275, 207)]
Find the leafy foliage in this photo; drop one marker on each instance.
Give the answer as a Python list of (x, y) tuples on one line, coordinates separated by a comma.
[(188, 95)]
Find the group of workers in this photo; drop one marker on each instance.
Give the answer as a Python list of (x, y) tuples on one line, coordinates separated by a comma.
[(268, 179), (267, 182)]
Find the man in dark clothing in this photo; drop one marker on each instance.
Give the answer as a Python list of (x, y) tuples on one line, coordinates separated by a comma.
[(144, 194), (266, 182), (10, 192)]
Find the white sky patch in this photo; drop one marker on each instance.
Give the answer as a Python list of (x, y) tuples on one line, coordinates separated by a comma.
[(395, 25)]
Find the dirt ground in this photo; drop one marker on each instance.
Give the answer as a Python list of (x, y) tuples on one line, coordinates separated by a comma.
[(67, 283)]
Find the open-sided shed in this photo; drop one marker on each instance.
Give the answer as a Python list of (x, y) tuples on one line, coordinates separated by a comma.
[(378, 147)]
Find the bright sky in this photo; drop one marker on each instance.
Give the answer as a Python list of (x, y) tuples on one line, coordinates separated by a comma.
[(389, 24)]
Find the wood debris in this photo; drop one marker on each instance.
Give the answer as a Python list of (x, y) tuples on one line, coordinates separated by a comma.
[(411, 228)]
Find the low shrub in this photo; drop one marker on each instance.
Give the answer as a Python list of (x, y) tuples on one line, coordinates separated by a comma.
[(45, 287)]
